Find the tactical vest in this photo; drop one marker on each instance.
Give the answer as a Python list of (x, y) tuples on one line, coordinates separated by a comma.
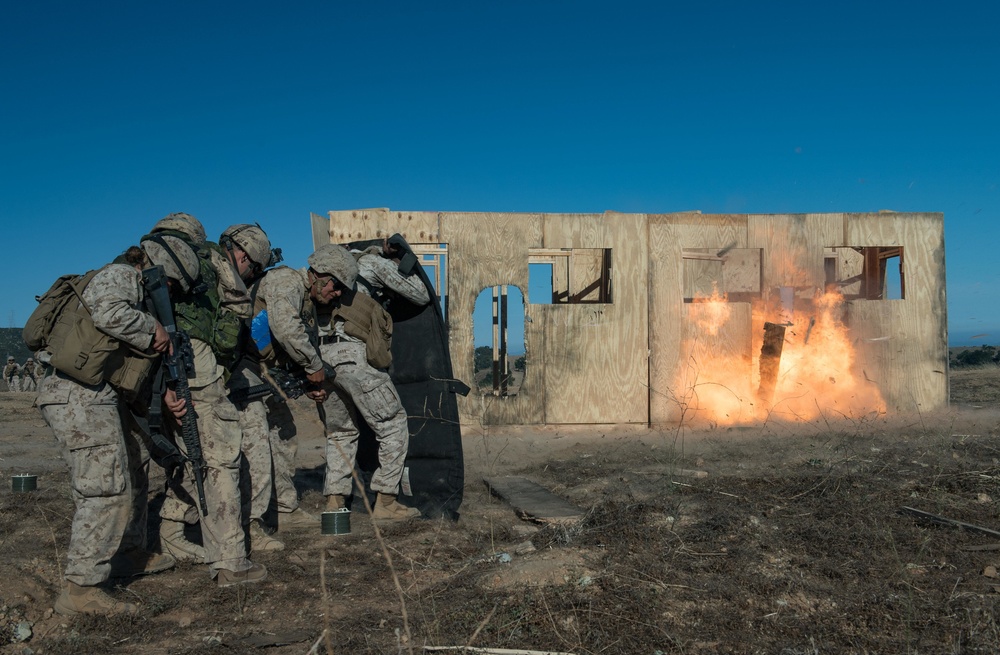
[(365, 319)]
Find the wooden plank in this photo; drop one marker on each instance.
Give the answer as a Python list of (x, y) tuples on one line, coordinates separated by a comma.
[(666, 311), (533, 501), (770, 360), (320, 230)]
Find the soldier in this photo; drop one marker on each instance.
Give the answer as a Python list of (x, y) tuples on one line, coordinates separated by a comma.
[(263, 422), (29, 376), (283, 330), (11, 374), (378, 270), (107, 462), (211, 318), (354, 339)]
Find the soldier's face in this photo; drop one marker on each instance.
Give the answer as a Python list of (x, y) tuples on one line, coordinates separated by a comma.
[(325, 290)]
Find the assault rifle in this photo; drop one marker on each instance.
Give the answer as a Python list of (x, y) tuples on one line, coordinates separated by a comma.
[(293, 383), (177, 367)]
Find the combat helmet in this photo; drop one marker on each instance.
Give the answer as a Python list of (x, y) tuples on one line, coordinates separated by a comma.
[(331, 259), (252, 240), (184, 224), (176, 256)]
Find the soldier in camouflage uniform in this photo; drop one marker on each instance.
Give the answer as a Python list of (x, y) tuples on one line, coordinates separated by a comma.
[(378, 271), (108, 463), (249, 250), (357, 389), (212, 319), (284, 330), (11, 374), (29, 376)]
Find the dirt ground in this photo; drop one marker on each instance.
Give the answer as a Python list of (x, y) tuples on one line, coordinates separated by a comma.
[(792, 544)]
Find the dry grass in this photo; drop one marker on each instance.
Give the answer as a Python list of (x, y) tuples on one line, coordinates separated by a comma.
[(793, 544)]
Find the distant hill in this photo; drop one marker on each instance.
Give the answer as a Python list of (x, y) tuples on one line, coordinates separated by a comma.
[(11, 344)]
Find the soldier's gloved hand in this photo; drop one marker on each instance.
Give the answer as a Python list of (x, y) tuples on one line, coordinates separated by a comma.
[(173, 466)]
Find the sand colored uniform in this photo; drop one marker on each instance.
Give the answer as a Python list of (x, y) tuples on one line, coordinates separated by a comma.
[(359, 391), (108, 462), (12, 376), (383, 273), (291, 320), (268, 446), (221, 440), (29, 377)]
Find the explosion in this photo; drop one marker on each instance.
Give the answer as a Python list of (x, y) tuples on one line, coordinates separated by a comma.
[(803, 370)]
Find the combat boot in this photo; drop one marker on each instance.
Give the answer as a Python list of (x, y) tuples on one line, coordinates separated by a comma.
[(261, 541), (387, 508), (76, 599), (256, 573), (140, 562), (174, 542), (297, 518), (335, 501)]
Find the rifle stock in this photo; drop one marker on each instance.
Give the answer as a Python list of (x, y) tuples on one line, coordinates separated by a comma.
[(178, 365)]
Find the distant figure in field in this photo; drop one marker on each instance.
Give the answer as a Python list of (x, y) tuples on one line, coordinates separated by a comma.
[(11, 374), (29, 376)]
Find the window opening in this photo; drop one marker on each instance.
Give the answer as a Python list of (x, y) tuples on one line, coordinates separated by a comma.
[(866, 272), (434, 260), (733, 273), (564, 276), (499, 360)]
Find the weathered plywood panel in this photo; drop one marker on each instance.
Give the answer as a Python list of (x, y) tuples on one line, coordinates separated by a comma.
[(903, 344), (701, 383), (673, 345), (320, 230), (585, 274), (715, 231), (793, 248), (357, 224), (666, 309), (596, 366), (415, 227), (487, 250)]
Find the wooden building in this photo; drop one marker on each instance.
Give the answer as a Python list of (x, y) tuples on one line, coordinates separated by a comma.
[(618, 340)]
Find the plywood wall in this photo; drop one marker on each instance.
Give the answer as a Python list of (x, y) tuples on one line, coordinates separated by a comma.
[(903, 344), (627, 361)]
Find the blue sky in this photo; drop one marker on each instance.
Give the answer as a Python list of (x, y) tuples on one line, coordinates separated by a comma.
[(117, 113)]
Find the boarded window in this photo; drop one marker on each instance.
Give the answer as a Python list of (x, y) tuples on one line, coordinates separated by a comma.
[(560, 276), (866, 272), (733, 272)]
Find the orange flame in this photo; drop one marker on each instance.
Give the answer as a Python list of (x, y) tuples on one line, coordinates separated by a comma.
[(816, 377)]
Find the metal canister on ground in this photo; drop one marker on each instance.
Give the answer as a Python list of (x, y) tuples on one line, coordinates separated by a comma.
[(24, 482), (337, 521)]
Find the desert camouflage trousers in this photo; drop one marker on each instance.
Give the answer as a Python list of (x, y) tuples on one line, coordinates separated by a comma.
[(109, 467), (269, 446), (222, 528), (360, 390)]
